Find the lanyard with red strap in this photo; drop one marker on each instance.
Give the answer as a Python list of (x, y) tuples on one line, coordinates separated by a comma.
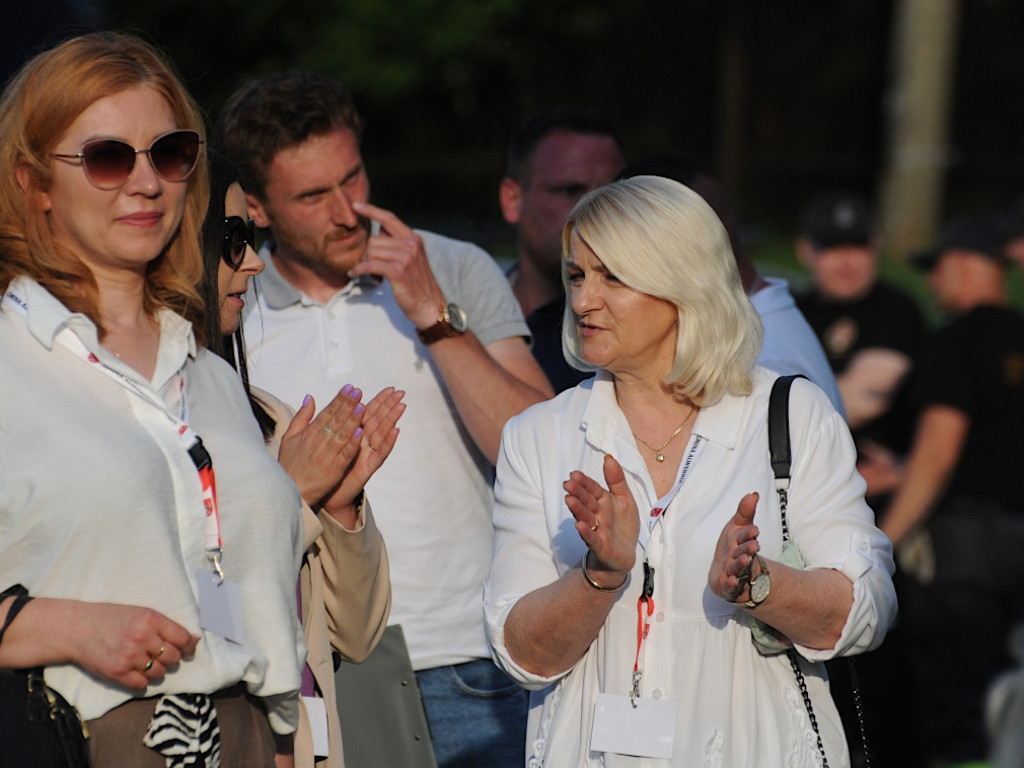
[(190, 440), (645, 603)]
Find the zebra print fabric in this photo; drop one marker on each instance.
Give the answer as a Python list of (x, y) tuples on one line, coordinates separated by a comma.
[(184, 730)]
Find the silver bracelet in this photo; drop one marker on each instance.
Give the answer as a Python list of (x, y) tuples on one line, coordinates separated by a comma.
[(594, 584)]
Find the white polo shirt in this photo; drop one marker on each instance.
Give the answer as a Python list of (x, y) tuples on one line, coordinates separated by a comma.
[(433, 496)]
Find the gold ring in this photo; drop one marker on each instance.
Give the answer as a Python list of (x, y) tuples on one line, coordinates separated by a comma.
[(160, 652), (595, 526), (149, 665), (329, 431)]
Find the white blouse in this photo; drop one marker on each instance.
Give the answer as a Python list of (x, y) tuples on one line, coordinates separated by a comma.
[(99, 501), (735, 707)]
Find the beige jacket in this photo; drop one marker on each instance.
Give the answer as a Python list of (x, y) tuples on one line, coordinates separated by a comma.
[(346, 599)]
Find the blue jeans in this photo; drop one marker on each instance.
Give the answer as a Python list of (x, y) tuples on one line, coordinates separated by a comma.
[(477, 715)]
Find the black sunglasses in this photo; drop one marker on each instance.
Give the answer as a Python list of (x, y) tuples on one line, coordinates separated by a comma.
[(238, 232), (108, 162)]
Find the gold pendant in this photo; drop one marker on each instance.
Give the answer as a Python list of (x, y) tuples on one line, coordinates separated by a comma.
[(660, 457)]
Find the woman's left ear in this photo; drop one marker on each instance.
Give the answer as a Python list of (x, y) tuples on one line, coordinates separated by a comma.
[(256, 211), (23, 173)]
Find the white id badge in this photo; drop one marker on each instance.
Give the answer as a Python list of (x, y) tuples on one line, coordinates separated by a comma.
[(220, 606), (317, 713), (647, 731)]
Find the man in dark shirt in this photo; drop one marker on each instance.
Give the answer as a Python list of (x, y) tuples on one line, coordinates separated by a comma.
[(870, 333), (555, 158), (963, 489), (870, 330)]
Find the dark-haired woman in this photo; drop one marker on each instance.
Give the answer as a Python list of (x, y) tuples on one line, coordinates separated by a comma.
[(345, 587)]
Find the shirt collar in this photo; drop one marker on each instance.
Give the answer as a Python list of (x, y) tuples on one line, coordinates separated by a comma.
[(606, 426), (46, 317), (278, 293)]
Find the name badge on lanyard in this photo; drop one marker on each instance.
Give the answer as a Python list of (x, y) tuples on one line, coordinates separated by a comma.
[(220, 600), (630, 724)]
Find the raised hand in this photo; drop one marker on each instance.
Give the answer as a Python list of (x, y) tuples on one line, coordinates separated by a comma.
[(397, 254), (730, 570), (377, 437), (316, 452), (606, 520)]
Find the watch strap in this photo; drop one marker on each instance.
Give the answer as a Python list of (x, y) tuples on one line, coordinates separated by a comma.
[(442, 329)]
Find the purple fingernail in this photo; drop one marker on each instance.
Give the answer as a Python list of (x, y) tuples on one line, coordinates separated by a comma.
[(358, 432), (346, 389), (305, 400), (355, 394), (359, 408)]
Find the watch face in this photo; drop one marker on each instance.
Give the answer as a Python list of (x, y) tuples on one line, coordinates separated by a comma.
[(759, 588), (457, 317)]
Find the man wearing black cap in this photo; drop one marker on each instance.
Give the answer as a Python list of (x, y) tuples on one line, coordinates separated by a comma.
[(963, 487), (870, 331)]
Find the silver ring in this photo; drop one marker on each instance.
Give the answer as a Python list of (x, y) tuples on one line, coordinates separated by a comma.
[(329, 431)]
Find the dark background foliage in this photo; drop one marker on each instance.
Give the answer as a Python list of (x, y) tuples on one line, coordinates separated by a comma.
[(442, 84)]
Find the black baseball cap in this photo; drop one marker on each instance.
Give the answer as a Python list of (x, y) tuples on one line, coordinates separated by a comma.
[(838, 217), (983, 233)]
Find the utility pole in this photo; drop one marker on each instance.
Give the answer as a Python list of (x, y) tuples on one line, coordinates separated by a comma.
[(918, 151)]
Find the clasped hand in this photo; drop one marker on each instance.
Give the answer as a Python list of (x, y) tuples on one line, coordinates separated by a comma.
[(332, 456)]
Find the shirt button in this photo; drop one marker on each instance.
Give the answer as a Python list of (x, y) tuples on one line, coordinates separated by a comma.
[(863, 546), (656, 694), (659, 616)]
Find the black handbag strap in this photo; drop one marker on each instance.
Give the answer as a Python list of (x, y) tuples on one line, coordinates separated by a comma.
[(782, 459), (778, 442), (778, 426), (21, 598)]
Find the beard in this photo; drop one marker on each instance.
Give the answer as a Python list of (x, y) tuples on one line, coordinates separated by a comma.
[(332, 255)]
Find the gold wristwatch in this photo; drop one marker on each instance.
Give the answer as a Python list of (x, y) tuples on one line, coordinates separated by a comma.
[(451, 321)]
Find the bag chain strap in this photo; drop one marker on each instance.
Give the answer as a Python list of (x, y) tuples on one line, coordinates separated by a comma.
[(778, 421), (791, 654)]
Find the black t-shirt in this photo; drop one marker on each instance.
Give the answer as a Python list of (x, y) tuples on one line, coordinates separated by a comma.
[(886, 318), (976, 365)]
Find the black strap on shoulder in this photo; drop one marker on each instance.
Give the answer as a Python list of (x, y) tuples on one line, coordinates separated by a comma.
[(778, 425), (781, 455), (21, 598)]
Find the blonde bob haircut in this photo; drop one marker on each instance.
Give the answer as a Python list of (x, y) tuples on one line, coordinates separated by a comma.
[(37, 108), (660, 238)]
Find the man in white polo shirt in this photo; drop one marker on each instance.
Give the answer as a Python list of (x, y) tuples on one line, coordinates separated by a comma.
[(352, 295)]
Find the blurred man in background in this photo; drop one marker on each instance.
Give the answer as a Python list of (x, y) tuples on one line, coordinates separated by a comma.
[(962, 502), (870, 331), (556, 157)]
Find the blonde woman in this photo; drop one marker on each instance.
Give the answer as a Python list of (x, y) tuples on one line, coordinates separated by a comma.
[(637, 528)]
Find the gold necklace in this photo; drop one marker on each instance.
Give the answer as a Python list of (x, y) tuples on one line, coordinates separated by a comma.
[(658, 455)]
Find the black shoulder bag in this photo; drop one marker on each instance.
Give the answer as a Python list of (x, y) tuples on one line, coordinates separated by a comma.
[(781, 456), (39, 728)]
